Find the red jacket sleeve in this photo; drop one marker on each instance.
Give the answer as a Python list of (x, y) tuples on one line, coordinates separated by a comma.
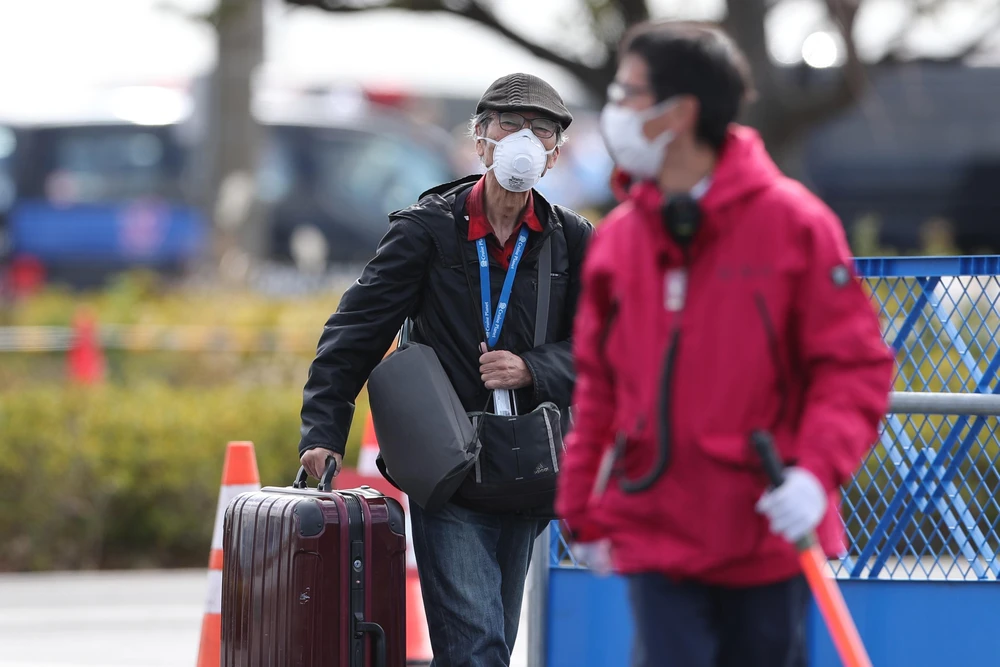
[(593, 396), (848, 367)]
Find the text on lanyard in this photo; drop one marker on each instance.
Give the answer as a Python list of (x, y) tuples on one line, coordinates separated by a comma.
[(492, 325)]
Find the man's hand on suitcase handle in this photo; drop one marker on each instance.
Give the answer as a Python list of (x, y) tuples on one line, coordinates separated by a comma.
[(314, 461)]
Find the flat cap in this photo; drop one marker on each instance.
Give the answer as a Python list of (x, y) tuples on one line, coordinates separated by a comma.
[(525, 92)]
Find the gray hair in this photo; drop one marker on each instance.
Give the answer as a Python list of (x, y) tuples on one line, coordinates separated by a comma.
[(483, 120)]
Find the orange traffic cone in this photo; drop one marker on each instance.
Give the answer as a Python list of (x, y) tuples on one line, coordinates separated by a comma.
[(239, 475), (369, 450), (85, 359), (418, 643)]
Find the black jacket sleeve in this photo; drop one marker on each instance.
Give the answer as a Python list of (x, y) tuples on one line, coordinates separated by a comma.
[(357, 336), (551, 365)]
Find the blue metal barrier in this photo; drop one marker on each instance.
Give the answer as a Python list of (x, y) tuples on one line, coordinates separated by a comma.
[(921, 514)]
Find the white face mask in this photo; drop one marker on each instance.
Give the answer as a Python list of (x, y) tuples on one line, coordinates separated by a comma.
[(628, 146), (518, 160)]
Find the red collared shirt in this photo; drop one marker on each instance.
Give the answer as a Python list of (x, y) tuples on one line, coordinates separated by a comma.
[(480, 228)]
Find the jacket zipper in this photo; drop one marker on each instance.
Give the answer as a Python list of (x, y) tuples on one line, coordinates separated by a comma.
[(602, 343), (664, 443), (774, 347)]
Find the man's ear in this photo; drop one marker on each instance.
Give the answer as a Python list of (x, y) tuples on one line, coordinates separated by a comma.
[(687, 112), (480, 146), (551, 159)]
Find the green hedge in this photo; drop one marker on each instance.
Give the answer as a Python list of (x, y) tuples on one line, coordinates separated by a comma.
[(128, 476), (142, 298)]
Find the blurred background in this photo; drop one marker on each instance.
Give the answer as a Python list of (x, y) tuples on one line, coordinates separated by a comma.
[(187, 186)]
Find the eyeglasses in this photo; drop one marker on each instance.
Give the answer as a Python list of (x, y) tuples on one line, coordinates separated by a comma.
[(621, 91), (543, 128)]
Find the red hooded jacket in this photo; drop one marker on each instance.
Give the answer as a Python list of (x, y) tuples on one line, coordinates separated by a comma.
[(774, 332)]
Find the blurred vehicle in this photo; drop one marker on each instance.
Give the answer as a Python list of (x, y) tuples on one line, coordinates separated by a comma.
[(92, 191), (335, 165), (8, 141), (100, 186), (98, 198)]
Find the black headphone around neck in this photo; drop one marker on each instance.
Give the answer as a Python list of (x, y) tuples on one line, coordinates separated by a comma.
[(681, 218)]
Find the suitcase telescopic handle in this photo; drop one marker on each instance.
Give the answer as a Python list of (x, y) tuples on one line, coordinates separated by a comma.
[(379, 640), (325, 484)]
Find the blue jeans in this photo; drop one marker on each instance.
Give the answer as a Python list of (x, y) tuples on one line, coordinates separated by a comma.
[(472, 570), (687, 624)]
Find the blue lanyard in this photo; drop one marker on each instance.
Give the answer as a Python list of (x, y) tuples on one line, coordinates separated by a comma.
[(493, 330)]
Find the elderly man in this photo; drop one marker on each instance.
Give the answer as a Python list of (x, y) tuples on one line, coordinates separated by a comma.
[(472, 559)]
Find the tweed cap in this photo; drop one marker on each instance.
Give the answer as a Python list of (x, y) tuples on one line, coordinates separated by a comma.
[(525, 92)]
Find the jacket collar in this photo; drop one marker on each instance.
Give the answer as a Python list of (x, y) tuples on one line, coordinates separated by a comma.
[(457, 190), (743, 169)]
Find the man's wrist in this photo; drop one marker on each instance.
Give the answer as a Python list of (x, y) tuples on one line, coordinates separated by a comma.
[(529, 374), (317, 445)]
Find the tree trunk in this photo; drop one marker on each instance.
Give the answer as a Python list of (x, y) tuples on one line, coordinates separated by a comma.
[(239, 221)]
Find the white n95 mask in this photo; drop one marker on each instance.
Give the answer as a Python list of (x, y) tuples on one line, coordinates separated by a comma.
[(518, 160), (621, 128)]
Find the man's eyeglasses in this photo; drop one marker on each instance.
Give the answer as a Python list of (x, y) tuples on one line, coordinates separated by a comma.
[(622, 91), (543, 128)]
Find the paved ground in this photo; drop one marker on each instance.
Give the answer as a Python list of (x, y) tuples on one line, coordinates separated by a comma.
[(141, 619), (134, 619)]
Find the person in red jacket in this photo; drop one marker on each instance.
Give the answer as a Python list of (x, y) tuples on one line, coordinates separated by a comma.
[(718, 299)]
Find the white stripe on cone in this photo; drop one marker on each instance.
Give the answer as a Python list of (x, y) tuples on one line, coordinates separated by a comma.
[(368, 468), (411, 559), (366, 460), (214, 603), (226, 496)]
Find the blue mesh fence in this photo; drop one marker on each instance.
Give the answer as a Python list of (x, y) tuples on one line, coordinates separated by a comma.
[(923, 506)]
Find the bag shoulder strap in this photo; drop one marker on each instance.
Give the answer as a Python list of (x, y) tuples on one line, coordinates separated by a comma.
[(405, 332), (544, 267)]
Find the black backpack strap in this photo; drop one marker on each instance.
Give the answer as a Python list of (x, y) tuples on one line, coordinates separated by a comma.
[(544, 267)]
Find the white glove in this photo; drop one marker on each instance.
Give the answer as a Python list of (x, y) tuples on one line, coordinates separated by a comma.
[(594, 555), (796, 507)]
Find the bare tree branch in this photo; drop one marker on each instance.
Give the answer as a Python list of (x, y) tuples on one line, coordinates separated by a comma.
[(744, 22), (586, 73), (810, 109), (226, 10), (173, 10), (854, 76), (633, 11), (785, 109), (895, 47), (975, 44), (593, 78)]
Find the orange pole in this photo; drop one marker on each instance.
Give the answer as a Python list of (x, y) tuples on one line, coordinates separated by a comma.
[(833, 608), (812, 559)]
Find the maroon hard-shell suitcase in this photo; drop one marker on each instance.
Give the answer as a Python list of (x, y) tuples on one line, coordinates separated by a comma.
[(314, 578)]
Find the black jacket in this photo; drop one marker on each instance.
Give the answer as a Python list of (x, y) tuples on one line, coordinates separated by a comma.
[(426, 269)]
